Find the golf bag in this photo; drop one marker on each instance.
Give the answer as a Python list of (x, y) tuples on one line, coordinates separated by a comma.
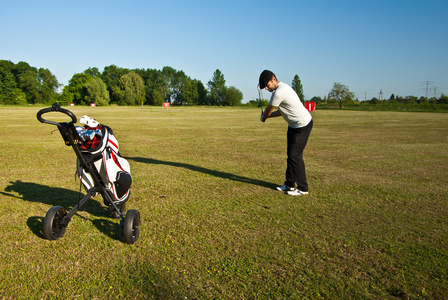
[(98, 145)]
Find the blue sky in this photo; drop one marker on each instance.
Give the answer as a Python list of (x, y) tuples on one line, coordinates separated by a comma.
[(393, 46)]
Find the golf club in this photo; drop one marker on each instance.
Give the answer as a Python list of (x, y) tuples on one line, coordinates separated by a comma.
[(260, 97)]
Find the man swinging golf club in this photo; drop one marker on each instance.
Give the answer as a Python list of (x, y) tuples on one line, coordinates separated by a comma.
[(300, 124)]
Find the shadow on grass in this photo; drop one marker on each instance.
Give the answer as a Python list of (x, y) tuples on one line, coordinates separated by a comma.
[(219, 174), (33, 192), (35, 225)]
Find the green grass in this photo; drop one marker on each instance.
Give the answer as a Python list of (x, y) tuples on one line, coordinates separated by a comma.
[(374, 225)]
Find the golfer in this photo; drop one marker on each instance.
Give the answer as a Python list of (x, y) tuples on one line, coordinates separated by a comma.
[(300, 124)]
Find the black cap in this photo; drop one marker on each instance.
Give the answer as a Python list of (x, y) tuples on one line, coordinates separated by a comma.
[(265, 77)]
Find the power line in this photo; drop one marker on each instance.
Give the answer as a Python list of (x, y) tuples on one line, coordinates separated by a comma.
[(437, 90), (427, 85)]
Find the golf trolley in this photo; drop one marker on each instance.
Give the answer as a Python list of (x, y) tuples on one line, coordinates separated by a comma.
[(101, 170)]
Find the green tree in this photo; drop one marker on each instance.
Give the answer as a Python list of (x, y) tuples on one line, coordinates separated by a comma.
[(177, 85), (76, 90), (297, 86), (256, 103), (410, 99), (167, 83), (374, 101), (96, 92), (341, 94), (94, 72), (157, 84), (317, 99), (36, 85), (7, 65), (67, 96), (28, 82), (10, 93), (157, 98), (8, 86), (48, 86), (189, 93), (217, 87), (18, 98), (233, 96), (423, 100), (152, 92), (202, 93), (27, 79), (111, 76), (131, 89)]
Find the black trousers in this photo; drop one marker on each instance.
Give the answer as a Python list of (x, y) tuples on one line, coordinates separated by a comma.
[(295, 169)]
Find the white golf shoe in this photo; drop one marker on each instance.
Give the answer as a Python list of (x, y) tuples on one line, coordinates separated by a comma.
[(296, 192)]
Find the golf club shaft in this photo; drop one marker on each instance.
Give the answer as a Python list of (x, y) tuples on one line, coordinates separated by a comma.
[(260, 97)]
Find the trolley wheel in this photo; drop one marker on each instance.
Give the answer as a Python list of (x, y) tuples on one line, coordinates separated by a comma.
[(131, 226), (53, 227)]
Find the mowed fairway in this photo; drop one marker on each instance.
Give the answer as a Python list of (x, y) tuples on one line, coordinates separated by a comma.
[(374, 226)]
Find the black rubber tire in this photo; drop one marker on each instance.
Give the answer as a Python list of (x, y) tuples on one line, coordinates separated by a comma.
[(53, 229), (131, 226)]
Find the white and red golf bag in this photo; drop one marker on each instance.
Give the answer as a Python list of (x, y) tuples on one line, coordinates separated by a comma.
[(98, 144)]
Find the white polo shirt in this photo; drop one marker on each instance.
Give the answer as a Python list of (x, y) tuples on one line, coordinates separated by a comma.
[(290, 106)]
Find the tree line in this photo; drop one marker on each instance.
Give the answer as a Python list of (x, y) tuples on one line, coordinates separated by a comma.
[(341, 95), (23, 84)]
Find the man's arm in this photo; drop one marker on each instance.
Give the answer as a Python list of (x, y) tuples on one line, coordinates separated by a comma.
[(270, 113)]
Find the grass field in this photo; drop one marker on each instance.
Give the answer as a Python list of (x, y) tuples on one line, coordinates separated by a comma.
[(374, 226)]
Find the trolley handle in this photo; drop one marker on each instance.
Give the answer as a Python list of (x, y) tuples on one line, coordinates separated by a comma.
[(55, 108)]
